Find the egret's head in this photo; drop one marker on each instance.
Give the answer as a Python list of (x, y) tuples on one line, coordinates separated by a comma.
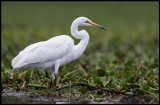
[(83, 21)]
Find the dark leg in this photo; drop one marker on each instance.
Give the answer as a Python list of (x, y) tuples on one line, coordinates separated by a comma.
[(51, 82), (55, 80)]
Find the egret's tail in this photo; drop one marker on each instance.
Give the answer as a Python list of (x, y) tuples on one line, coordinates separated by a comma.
[(15, 63)]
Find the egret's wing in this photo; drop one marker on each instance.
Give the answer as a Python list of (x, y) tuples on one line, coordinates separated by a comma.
[(49, 50), (24, 53)]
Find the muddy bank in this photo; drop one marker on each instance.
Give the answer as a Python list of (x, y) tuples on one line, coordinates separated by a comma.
[(136, 99)]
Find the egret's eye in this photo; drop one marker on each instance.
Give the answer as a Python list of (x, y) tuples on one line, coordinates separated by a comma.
[(87, 21)]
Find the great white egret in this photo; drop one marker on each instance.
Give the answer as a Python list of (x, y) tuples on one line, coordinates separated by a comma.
[(56, 51)]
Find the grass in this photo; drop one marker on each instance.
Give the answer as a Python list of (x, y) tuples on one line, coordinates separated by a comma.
[(112, 57)]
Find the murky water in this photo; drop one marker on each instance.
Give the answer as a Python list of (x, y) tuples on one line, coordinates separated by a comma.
[(20, 97), (26, 97)]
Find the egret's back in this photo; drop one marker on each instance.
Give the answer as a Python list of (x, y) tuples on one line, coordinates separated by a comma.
[(43, 52)]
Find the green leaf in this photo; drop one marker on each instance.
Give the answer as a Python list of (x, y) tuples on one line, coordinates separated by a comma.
[(64, 79), (107, 74), (21, 74), (5, 77), (152, 89), (83, 71), (104, 81), (156, 70), (42, 72), (100, 72), (114, 85), (14, 84), (23, 85), (133, 85), (31, 74), (129, 93), (97, 80), (144, 85), (112, 73), (27, 75), (114, 78), (46, 79), (123, 91), (130, 79), (153, 85), (123, 83)]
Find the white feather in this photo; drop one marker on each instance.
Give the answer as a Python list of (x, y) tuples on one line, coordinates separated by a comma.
[(41, 52)]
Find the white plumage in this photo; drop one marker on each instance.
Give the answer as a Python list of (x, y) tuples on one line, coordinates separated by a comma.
[(56, 51), (41, 53)]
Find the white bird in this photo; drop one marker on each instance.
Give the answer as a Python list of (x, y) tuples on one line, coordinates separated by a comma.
[(56, 51)]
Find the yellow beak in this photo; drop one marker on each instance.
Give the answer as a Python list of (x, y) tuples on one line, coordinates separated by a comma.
[(97, 25)]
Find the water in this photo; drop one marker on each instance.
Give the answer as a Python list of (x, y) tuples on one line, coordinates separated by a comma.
[(28, 98)]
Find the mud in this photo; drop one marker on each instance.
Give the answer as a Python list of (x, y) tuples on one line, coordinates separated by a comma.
[(136, 99)]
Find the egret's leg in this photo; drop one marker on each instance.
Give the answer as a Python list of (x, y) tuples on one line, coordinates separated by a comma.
[(55, 79), (51, 82), (52, 75), (56, 70)]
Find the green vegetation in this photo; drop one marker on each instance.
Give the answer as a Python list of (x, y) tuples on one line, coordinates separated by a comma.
[(112, 57)]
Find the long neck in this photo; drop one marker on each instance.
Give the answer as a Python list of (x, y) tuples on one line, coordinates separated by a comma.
[(80, 47), (83, 35)]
